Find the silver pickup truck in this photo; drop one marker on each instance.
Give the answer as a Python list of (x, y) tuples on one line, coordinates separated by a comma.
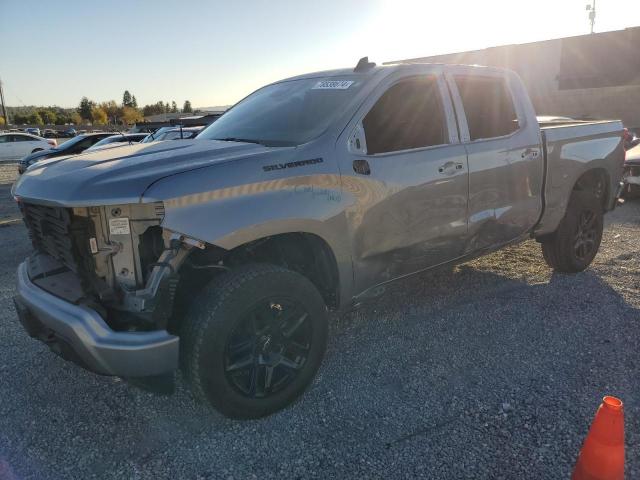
[(223, 255)]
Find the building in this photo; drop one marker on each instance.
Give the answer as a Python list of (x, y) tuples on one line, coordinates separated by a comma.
[(595, 76)]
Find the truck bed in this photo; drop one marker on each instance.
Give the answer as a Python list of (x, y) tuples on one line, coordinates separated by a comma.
[(568, 148)]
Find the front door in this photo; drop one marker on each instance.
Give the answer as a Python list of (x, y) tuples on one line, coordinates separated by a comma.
[(406, 175)]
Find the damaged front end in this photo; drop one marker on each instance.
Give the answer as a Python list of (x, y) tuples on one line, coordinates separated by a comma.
[(101, 284)]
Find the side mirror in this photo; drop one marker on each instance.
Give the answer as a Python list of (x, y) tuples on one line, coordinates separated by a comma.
[(357, 143)]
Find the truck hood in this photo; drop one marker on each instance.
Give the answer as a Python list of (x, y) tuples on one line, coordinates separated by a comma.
[(121, 175)]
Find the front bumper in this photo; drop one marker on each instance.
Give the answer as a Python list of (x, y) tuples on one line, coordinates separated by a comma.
[(79, 334)]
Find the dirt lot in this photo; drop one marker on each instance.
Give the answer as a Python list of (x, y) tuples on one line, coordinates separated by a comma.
[(491, 370)]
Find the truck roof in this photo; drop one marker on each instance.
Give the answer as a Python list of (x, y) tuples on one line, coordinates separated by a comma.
[(370, 72)]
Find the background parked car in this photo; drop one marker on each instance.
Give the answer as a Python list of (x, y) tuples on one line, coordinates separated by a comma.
[(172, 133), (71, 147), (68, 133), (118, 139), (49, 133), (630, 139), (33, 131), (632, 173), (14, 146)]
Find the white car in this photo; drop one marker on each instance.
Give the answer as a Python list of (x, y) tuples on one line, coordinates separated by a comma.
[(14, 146)]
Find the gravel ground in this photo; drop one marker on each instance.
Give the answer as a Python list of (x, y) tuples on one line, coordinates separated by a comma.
[(493, 369)]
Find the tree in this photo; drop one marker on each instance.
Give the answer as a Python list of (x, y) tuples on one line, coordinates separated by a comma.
[(127, 101), (131, 115), (174, 107), (85, 108), (157, 108), (35, 119), (2, 121), (134, 102), (112, 110), (20, 119), (62, 119), (98, 116), (187, 107), (76, 118), (49, 117)]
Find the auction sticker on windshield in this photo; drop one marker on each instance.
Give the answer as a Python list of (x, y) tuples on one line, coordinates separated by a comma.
[(119, 226), (333, 85)]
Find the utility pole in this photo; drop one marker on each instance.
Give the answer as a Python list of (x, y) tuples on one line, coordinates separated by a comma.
[(4, 111), (592, 14)]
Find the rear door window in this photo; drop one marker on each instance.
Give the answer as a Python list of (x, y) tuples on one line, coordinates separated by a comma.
[(24, 138), (82, 145), (408, 115), (488, 106)]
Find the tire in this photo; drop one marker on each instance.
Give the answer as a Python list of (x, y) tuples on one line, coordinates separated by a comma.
[(253, 340), (36, 150), (574, 245)]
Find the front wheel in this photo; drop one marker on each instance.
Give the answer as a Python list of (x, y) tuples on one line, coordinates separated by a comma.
[(574, 245), (36, 150), (253, 340)]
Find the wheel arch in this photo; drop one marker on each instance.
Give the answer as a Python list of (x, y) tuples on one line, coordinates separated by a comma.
[(557, 195), (306, 253), (598, 181)]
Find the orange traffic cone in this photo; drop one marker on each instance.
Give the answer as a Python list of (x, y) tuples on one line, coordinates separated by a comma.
[(602, 454)]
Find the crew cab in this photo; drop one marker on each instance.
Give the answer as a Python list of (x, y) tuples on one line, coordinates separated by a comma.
[(223, 254)]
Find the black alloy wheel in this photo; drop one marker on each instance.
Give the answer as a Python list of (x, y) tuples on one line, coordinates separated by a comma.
[(253, 339), (268, 348), (574, 245), (586, 235)]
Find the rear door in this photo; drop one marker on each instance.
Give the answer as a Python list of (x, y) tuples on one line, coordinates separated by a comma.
[(23, 145), (6, 148), (504, 155), (407, 175)]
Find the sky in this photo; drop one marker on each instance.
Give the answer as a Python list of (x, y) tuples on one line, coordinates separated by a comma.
[(216, 52)]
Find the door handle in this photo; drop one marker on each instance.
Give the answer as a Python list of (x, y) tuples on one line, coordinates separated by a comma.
[(449, 167), (530, 153), (361, 167)]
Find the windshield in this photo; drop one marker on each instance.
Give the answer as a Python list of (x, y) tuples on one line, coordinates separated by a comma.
[(105, 141), (175, 135), (70, 143), (286, 114), (152, 137)]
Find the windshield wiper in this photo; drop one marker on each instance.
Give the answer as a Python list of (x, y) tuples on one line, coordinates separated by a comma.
[(243, 140)]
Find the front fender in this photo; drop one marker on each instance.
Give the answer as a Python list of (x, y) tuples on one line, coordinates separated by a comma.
[(231, 216)]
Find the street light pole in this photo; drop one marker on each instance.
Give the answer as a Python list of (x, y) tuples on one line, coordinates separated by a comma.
[(4, 111), (592, 14)]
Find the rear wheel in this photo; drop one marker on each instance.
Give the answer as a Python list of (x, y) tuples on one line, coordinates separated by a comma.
[(253, 340), (574, 245), (36, 150)]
